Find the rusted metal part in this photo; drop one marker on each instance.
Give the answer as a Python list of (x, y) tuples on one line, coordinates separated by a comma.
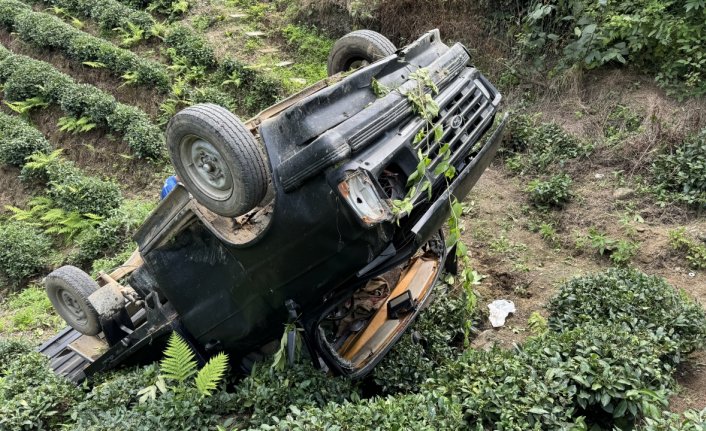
[(134, 261)]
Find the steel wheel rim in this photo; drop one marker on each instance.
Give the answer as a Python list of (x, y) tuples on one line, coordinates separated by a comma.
[(207, 168), (72, 306)]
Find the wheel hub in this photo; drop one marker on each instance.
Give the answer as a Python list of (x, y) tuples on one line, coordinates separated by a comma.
[(207, 168), (73, 306)]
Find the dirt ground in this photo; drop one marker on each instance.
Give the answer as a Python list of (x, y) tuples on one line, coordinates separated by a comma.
[(522, 267)]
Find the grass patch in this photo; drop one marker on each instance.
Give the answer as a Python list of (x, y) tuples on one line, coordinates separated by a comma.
[(29, 311)]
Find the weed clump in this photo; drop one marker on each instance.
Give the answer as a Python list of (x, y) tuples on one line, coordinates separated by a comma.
[(532, 147), (24, 251), (619, 251), (694, 252)]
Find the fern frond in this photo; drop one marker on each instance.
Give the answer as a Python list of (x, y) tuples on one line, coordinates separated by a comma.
[(211, 374), (179, 363)]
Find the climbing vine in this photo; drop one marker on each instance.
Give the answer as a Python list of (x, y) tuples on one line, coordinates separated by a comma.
[(423, 104)]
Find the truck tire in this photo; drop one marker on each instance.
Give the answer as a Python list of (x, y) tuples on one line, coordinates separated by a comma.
[(218, 159), (68, 289), (358, 49)]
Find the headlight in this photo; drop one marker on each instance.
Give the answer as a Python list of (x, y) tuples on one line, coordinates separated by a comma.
[(363, 197)]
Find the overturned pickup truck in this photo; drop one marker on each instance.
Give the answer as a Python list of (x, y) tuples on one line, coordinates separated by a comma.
[(288, 218)]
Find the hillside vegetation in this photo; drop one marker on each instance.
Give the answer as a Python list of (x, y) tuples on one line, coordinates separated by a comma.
[(592, 219)]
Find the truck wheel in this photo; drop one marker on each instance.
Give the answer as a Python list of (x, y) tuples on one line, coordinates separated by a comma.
[(218, 159), (358, 49), (68, 289)]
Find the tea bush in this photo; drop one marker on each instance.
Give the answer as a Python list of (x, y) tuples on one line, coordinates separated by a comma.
[(557, 378), (32, 396), (424, 412), (49, 32), (554, 192), (73, 191), (661, 37), (109, 14), (24, 251), (633, 301), (268, 394), (112, 233), (190, 46), (25, 78), (18, 140), (256, 90), (113, 403), (681, 175), (11, 349)]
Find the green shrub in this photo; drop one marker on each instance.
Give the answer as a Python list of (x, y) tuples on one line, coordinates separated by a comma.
[(257, 90), (113, 233), (590, 371), (663, 38), (633, 301), (32, 396), (689, 420), (24, 251), (267, 393), (424, 412), (81, 100), (25, 78), (9, 10), (554, 192), (145, 140), (46, 31), (11, 349), (187, 44), (682, 174), (534, 147), (18, 140), (109, 14), (73, 191), (214, 95)]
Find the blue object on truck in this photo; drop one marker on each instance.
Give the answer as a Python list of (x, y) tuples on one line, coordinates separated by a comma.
[(168, 186)]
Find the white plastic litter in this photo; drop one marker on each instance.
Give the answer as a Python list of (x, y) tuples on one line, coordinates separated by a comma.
[(499, 310)]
